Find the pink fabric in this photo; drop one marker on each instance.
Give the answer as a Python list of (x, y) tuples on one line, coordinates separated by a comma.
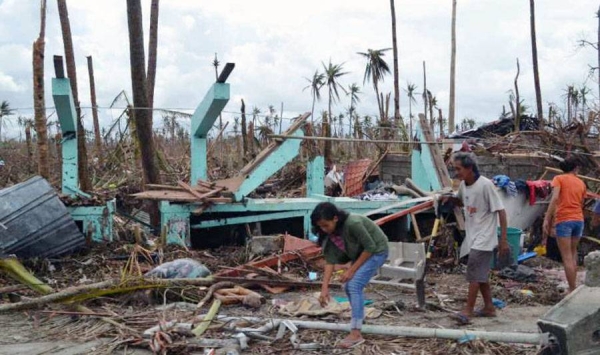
[(338, 241)]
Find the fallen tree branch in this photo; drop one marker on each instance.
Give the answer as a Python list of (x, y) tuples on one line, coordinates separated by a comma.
[(104, 288)]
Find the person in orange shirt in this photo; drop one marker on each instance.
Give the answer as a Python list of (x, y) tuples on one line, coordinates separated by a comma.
[(564, 218)]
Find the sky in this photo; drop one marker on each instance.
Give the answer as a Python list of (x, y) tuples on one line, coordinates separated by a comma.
[(276, 45)]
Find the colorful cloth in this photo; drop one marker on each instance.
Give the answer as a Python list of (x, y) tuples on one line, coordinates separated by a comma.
[(338, 241), (570, 201)]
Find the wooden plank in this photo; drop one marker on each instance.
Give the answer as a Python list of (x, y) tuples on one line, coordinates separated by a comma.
[(440, 167), (174, 188), (583, 177), (269, 149), (167, 195), (436, 154), (420, 207), (416, 227), (189, 189)]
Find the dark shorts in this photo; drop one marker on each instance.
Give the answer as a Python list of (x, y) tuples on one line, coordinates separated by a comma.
[(478, 266), (569, 229)]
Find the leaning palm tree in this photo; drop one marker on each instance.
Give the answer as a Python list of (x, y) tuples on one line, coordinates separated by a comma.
[(410, 92), (316, 83), (333, 72), (5, 111), (375, 70)]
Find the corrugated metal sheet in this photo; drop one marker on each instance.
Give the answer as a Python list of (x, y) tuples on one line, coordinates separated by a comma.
[(34, 222)]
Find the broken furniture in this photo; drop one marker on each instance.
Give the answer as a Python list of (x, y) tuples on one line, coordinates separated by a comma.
[(34, 222), (95, 221), (406, 261), (574, 322), (179, 220)]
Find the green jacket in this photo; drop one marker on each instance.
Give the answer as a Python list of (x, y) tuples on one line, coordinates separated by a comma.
[(359, 234)]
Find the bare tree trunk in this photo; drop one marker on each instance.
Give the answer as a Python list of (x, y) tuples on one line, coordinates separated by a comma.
[(326, 132), (251, 140), (29, 147), (431, 118), (536, 72), (97, 138), (598, 50), (396, 75), (452, 71), (142, 117), (41, 126), (152, 52), (425, 96), (379, 100), (84, 179), (281, 118), (441, 123), (517, 100), (244, 132)]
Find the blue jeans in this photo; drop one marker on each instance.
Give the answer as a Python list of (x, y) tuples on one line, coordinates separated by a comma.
[(569, 229), (355, 287)]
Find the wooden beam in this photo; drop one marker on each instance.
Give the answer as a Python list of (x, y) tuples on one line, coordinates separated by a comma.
[(420, 207), (416, 227), (440, 167), (583, 177)]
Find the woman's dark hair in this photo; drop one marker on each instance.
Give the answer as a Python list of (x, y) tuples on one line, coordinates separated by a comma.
[(326, 211), (569, 164)]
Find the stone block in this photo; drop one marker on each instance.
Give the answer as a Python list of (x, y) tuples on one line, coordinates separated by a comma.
[(592, 269), (266, 244)]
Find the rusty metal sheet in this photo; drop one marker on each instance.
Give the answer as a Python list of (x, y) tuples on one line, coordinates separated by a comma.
[(354, 175)]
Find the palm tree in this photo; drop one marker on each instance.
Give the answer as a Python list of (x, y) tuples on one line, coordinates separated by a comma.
[(153, 50), (316, 83), (255, 113), (536, 72), (142, 118), (5, 111), (38, 96), (353, 92), (395, 53), (85, 183), (375, 70), (333, 73), (452, 71), (410, 92)]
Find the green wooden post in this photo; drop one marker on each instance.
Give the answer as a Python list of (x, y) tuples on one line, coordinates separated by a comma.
[(65, 110), (315, 176), (202, 121)]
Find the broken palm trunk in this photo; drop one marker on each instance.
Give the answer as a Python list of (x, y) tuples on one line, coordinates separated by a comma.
[(35, 223)]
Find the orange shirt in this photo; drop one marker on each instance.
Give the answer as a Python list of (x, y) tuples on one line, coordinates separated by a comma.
[(570, 201)]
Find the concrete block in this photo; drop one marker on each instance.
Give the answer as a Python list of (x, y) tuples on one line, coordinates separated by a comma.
[(575, 322), (266, 244), (592, 269)]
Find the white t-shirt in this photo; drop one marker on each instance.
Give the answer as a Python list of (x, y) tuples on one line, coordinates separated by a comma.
[(481, 204)]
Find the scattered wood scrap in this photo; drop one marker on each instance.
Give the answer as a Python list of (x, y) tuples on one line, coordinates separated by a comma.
[(204, 193)]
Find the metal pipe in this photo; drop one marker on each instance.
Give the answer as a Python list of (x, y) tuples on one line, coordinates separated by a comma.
[(417, 332)]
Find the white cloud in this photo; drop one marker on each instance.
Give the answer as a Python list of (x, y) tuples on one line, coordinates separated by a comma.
[(7, 83), (275, 44)]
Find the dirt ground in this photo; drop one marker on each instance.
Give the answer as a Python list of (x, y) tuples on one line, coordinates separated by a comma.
[(50, 332)]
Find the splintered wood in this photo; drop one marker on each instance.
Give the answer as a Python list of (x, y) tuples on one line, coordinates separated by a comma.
[(204, 193)]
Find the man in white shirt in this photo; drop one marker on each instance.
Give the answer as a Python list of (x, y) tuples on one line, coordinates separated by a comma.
[(482, 208)]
